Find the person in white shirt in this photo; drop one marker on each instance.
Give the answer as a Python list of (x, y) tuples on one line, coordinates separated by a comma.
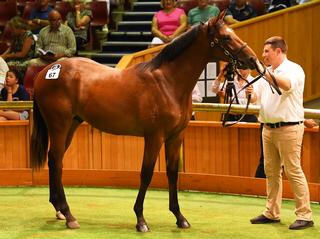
[(282, 116), (219, 87), (3, 71)]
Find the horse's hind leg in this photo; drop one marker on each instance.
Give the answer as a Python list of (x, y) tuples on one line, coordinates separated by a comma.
[(172, 149), (58, 145), (75, 123), (151, 150)]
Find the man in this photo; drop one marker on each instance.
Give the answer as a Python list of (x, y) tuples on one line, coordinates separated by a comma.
[(39, 17), (202, 13), (241, 10), (57, 38), (282, 116)]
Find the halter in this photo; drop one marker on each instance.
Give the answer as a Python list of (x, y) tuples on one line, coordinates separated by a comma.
[(233, 58)]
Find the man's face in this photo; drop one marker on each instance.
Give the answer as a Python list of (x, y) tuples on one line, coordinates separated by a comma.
[(202, 3), (55, 22), (43, 3), (241, 3), (269, 55)]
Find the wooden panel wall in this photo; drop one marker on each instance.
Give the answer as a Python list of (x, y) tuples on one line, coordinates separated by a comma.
[(14, 144), (214, 159)]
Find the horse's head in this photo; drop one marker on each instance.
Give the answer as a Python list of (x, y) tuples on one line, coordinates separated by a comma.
[(227, 44)]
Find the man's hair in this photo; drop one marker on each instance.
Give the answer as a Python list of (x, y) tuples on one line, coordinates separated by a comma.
[(277, 42)]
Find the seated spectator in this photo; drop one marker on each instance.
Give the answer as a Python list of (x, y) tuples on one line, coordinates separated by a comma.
[(21, 48), (202, 12), (278, 5), (168, 23), (240, 10), (196, 98), (39, 17), (302, 1), (55, 38), (79, 21), (3, 71), (219, 87), (13, 91)]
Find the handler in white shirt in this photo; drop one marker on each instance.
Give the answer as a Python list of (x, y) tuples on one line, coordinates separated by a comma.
[(282, 134)]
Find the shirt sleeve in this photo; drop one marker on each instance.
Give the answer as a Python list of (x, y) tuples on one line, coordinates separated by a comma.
[(216, 86), (71, 41), (39, 43)]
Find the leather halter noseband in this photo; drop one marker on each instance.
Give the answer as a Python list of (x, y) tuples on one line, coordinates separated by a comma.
[(216, 42)]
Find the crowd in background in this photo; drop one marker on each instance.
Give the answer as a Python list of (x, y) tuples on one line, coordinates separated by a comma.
[(45, 36)]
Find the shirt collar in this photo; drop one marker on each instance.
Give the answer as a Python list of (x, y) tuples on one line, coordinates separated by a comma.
[(58, 30), (281, 66)]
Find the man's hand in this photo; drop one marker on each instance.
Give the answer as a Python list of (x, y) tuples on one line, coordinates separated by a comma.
[(249, 90)]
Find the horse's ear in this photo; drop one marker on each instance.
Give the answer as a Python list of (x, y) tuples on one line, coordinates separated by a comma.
[(222, 14), (212, 21)]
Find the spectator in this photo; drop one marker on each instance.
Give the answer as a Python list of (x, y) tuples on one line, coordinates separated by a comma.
[(21, 48), (241, 10), (79, 21), (196, 98), (39, 17), (11, 92), (202, 12), (3, 71), (302, 1), (56, 38), (282, 133), (168, 23), (219, 87), (278, 5)]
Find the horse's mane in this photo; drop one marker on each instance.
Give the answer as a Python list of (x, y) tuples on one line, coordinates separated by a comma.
[(171, 51)]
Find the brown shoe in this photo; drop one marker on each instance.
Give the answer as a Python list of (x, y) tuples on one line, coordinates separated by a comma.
[(261, 219), (301, 224)]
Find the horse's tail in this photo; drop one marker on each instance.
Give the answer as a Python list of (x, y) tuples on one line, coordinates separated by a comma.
[(39, 139)]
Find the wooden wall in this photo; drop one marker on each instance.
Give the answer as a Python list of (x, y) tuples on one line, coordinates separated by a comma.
[(299, 27), (214, 159)]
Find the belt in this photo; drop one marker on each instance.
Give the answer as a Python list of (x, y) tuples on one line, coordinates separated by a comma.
[(281, 124)]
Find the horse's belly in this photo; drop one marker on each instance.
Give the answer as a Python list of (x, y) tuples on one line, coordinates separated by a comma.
[(118, 126)]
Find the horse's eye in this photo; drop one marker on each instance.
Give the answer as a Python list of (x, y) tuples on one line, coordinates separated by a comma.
[(226, 38)]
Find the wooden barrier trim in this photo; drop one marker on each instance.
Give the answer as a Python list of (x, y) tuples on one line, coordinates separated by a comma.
[(187, 181)]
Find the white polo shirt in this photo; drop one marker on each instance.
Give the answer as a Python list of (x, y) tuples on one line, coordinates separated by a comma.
[(287, 107)]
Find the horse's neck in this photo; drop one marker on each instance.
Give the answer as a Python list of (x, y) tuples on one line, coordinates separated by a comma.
[(187, 67)]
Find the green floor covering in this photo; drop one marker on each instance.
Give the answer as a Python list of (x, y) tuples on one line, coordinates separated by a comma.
[(107, 213)]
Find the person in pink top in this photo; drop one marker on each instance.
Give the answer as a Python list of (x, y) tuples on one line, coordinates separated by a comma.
[(168, 23)]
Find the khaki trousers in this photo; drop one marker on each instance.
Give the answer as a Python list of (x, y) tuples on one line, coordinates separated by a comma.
[(282, 147)]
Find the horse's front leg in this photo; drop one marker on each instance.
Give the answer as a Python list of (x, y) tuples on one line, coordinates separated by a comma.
[(151, 150), (172, 149)]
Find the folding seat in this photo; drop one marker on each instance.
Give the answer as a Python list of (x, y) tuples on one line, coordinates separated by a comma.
[(63, 8), (8, 10), (221, 4), (258, 6), (30, 75), (99, 13)]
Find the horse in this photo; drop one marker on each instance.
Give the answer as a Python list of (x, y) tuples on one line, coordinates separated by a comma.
[(150, 99)]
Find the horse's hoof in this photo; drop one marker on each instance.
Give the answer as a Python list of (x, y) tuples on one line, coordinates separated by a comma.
[(60, 216), (183, 224), (73, 225), (142, 227)]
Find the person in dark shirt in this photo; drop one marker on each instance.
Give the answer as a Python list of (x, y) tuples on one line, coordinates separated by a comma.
[(13, 91), (39, 17), (240, 10), (279, 5)]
